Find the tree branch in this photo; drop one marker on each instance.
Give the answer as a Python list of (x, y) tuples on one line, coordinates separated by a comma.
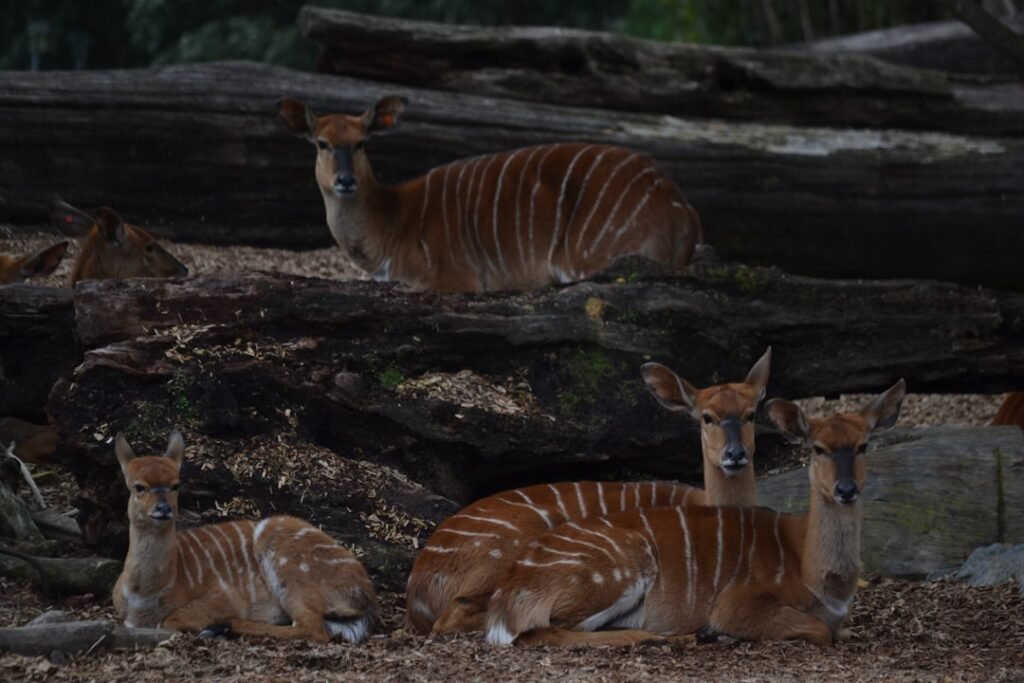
[(988, 28)]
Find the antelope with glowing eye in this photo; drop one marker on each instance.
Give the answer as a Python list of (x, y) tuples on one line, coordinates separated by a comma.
[(111, 249)]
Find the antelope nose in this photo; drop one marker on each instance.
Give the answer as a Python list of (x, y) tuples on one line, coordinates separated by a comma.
[(161, 511), (735, 457), (345, 183), (846, 491)]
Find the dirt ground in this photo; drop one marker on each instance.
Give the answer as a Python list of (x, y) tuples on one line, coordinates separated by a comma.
[(902, 631)]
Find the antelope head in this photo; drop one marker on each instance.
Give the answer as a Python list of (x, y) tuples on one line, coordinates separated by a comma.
[(839, 441), (725, 411), (112, 248), (152, 482), (340, 140)]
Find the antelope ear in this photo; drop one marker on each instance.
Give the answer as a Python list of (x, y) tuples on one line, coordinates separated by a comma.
[(758, 375), (43, 262), (789, 419), (69, 220), (110, 224), (671, 390), (384, 114), (123, 451), (883, 411), (297, 117), (175, 448)]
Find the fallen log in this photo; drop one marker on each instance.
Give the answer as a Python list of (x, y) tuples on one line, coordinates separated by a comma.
[(932, 496), (613, 71), (37, 345), (836, 203), (69, 576), (274, 378), (75, 637), (943, 45)]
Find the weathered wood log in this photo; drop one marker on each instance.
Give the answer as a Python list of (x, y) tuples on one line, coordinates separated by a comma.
[(932, 496), (15, 519), (944, 45), (71, 575), (310, 370), (838, 203), (612, 71), (74, 637), (37, 345)]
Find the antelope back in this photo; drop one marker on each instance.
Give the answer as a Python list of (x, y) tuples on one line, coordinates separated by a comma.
[(1011, 412), (512, 220), (110, 248), (460, 563), (35, 443), (39, 264)]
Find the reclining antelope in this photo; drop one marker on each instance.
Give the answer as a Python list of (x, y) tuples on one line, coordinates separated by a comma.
[(457, 570), (1011, 412), (111, 249), (513, 220), (745, 572), (280, 577), (38, 264)]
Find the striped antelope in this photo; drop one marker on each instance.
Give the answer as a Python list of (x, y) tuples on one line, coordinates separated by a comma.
[(512, 220), (457, 570), (745, 572), (110, 248), (280, 577), (39, 264)]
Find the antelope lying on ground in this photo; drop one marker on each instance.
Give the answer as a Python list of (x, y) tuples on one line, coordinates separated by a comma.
[(512, 220), (279, 577), (745, 572), (110, 248), (39, 264), (459, 567)]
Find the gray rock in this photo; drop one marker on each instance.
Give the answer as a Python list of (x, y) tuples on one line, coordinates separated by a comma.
[(53, 616), (992, 565)]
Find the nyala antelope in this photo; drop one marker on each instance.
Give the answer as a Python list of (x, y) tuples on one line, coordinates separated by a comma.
[(456, 572), (39, 264), (745, 572), (513, 220), (279, 577), (111, 249)]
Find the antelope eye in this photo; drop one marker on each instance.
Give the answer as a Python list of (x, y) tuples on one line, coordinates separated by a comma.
[(151, 247), (750, 417), (174, 487), (358, 146), (820, 451), (139, 488), (321, 144), (708, 419), (862, 448)]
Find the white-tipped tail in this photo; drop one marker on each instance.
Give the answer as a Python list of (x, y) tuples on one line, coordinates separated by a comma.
[(351, 630), (499, 635)]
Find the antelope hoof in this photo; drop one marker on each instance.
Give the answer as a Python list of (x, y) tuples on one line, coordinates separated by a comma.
[(216, 631), (706, 634)]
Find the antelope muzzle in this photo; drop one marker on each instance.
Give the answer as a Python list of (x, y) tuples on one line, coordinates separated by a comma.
[(734, 455)]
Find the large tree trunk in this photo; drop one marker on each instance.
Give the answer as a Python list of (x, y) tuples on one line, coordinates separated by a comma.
[(196, 152), (272, 377), (612, 71), (932, 496)]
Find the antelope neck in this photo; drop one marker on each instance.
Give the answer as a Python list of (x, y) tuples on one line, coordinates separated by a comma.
[(152, 559), (352, 219), (831, 558), (722, 490)]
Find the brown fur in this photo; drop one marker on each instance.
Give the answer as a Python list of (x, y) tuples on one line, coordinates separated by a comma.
[(520, 219), (453, 577), (1011, 412), (33, 443), (39, 264), (664, 571), (280, 577), (111, 249)]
